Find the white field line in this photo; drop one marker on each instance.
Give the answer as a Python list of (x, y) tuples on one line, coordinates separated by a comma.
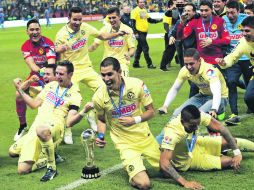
[(81, 181)]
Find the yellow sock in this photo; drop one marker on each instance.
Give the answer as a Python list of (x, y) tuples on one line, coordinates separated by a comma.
[(245, 145), (41, 163), (49, 150)]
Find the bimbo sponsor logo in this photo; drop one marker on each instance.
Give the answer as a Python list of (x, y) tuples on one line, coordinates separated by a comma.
[(235, 36), (39, 59), (53, 98), (79, 44), (202, 35), (115, 43), (126, 110)]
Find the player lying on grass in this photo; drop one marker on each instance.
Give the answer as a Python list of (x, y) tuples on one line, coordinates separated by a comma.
[(183, 149)]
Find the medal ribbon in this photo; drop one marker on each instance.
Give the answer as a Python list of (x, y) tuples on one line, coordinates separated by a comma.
[(191, 145), (118, 109), (208, 30), (57, 102)]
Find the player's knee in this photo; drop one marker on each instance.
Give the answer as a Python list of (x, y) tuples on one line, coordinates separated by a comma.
[(22, 170), (43, 133)]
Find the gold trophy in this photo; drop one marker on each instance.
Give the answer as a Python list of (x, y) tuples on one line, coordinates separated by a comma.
[(90, 170)]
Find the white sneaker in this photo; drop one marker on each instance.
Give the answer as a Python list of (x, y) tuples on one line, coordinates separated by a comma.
[(68, 139), (19, 134)]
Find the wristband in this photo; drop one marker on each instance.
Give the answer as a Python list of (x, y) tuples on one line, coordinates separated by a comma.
[(82, 113), (237, 152), (101, 136), (137, 119)]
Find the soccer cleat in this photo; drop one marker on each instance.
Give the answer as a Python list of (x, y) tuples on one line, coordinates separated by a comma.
[(136, 66), (151, 66), (68, 139), (20, 133), (233, 120), (59, 159), (164, 69), (49, 175)]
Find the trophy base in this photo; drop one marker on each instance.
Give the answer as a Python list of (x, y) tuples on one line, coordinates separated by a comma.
[(90, 172)]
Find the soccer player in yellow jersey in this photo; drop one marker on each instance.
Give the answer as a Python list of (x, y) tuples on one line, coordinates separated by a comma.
[(122, 47), (119, 103), (71, 44), (140, 19), (213, 92), (58, 105), (244, 47), (183, 149)]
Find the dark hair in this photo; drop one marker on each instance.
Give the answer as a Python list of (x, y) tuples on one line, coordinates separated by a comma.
[(111, 61), (248, 21), (51, 66), (249, 7), (190, 112), (207, 3), (32, 21), (170, 3), (233, 5), (192, 52), (74, 10), (194, 8), (67, 64), (114, 10)]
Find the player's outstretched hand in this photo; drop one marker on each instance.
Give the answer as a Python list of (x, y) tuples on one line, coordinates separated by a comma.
[(220, 61), (193, 185), (162, 110), (213, 113), (127, 57), (236, 161), (34, 78), (100, 143)]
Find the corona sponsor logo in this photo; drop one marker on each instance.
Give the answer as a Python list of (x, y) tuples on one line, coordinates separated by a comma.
[(79, 44), (125, 111), (39, 59), (115, 43), (53, 98), (202, 35)]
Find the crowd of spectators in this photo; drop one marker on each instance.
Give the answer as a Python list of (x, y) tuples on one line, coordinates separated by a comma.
[(27, 9)]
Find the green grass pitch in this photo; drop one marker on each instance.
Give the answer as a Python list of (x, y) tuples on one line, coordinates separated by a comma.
[(12, 65)]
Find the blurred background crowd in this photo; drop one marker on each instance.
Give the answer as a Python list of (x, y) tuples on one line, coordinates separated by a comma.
[(27, 9)]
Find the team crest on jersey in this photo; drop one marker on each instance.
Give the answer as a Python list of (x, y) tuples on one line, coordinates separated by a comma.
[(41, 51), (83, 32), (142, 14), (214, 26), (239, 27), (131, 168), (130, 95), (79, 44), (51, 97), (115, 43), (125, 110), (211, 73)]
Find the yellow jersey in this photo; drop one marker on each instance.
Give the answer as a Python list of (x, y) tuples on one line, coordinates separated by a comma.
[(77, 51), (119, 46), (140, 16), (243, 48), (55, 108), (175, 139), (134, 97), (206, 75)]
